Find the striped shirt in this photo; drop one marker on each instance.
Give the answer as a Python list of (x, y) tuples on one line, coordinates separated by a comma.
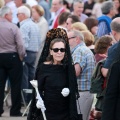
[(102, 29), (83, 56), (31, 35)]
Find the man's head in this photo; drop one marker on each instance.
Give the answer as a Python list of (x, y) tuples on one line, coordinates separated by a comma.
[(23, 13), (56, 5), (6, 13), (19, 2), (70, 20), (75, 37), (108, 8), (78, 7), (115, 26)]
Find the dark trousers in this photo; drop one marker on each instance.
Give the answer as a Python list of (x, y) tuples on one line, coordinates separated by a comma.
[(28, 72), (11, 66)]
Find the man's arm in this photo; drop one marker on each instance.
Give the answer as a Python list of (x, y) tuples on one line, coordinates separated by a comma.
[(79, 61), (104, 72), (77, 69)]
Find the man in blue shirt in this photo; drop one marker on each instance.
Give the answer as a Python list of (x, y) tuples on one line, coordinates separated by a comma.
[(108, 10)]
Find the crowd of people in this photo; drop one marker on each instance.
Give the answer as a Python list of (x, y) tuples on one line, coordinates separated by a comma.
[(59, 43)]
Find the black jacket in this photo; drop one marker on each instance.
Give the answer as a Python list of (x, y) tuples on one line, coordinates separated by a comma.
[(111, 109)]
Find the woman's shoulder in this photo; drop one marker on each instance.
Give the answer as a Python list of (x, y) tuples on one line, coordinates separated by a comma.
[(43, 67), (49, 67)]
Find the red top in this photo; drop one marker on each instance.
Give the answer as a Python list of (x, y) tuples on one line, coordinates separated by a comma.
[(56, 21)]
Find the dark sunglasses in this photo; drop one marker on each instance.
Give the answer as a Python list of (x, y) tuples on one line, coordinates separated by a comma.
[(57, 49)]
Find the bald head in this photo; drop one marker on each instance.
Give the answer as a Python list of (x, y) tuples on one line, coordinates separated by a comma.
[(115, 24), (116, 20)]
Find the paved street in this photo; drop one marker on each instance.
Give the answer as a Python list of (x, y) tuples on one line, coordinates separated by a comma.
[(6, 116)]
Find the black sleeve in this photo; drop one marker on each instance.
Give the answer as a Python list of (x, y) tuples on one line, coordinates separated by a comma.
[(35, 113), (112, 92), (41, 80)]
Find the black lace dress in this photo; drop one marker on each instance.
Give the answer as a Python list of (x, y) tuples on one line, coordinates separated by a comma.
[(51, 80)]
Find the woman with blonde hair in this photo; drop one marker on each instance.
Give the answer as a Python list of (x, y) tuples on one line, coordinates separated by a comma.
[(79, 26), (89, 40), (37, 16)]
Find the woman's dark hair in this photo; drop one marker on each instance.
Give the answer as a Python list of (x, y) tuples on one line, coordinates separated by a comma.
[(118, 7), (66, 3), (101, 46), (50, 57), (90, 23), (63, 17)]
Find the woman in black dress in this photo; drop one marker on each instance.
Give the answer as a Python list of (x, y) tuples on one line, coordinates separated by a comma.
[(54, 73)]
